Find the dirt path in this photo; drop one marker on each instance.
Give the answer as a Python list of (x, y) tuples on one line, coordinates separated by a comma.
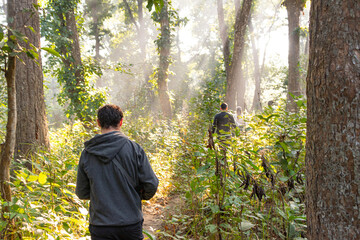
[(156, 213)]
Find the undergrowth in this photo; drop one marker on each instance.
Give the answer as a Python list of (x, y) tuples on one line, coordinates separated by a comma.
[(255, 192), (44, 204)]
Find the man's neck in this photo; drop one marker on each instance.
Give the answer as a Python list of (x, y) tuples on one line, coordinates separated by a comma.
[(110, 129)]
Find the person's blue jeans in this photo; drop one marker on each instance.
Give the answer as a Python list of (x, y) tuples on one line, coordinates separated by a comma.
[(129, 232)]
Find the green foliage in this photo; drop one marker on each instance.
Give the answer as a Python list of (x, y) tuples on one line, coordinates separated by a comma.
[(157, 3), (256, 191), (78, 93), (44, 204)]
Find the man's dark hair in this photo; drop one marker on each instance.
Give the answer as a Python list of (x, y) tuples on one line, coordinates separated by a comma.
[(223, 106), (109, 115)]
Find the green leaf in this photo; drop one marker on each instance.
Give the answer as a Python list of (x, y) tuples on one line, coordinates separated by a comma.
[(30, 55), (52, 51), (148, 234), (1, 34), (300, 103), (32, 29), (149, 5), (284, 179), (285, 147)]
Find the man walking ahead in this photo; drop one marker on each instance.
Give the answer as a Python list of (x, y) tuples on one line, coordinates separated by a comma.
[(115, 174), (223, 123)]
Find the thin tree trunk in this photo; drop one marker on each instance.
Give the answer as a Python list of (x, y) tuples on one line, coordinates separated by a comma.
[(7, 150), (32, 129), (241, 86), (257, 74), (224, 36), (164, 48), (333, 117), (293, 8), (241, 22), (97, 37), (74, 64)]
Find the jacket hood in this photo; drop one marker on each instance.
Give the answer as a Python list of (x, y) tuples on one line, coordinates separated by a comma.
[(106, 146)]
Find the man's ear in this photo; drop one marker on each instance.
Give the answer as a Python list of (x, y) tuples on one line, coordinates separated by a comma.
[(98, 123), (121, 122)]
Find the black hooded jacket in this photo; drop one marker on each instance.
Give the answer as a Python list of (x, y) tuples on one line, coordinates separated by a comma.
[(114, 201)]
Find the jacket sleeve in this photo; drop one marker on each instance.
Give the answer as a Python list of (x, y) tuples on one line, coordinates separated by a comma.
[(147, 179), (82, 181)]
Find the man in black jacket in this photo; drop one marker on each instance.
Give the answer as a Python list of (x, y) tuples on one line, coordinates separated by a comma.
[(115, 174), (223, 125)]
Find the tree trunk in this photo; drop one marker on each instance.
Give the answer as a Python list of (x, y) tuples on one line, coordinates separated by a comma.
[(257, 74), (32, 129), (224, 36), (164, 48), (73, 64), (241, 86), (241, 22), (97, 37), (333, 129), (7, 149), (293, 8)]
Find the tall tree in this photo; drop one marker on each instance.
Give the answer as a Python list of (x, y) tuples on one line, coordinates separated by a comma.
[(293, 7), (241, 23), (233, 67), (333, 129), (164, 45), (31, 115)]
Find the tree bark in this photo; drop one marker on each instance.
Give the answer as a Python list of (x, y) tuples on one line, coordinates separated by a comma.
[(32, 129), (241, 22), (164, 48), (333, 117), (293, 8)]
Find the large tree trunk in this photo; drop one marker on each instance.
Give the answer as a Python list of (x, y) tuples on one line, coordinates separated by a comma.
[(164, 48), (293, 8), (333, 129), (241, 22), (32, 127)]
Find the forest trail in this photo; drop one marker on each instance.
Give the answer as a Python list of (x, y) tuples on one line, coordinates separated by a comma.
[(155, 213)]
